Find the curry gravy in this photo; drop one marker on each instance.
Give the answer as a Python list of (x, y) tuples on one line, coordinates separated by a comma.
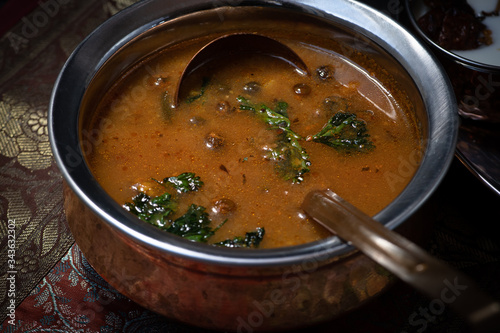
[(144, 139)]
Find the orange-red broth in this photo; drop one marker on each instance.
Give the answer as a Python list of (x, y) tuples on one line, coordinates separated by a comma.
[(140, 143)]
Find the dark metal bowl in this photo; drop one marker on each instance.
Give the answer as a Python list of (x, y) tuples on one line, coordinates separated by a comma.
[(236, 289), (476, 85)]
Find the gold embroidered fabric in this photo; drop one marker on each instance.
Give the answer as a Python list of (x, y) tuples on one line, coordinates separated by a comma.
[(33, 225)]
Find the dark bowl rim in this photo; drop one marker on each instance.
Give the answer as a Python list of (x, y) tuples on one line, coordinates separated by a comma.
[(469, 63)]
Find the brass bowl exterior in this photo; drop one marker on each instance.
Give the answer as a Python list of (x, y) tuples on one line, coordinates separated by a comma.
[(220, 297)]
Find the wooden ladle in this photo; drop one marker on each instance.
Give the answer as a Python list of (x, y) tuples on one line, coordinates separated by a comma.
[(406, 260), (236, 44)]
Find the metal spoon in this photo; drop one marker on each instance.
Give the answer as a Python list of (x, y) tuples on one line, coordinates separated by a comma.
[(406, 260), (239, 43)]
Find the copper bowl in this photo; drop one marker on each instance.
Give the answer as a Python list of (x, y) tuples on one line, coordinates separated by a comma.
[(237, 289)]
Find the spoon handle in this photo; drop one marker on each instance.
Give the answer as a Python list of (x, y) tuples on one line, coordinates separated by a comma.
[(406, 260)]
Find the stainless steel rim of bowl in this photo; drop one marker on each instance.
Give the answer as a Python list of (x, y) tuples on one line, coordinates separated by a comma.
[(79, 69)]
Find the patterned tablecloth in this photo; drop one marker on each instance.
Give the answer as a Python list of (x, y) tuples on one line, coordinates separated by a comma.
[(46, 285)]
